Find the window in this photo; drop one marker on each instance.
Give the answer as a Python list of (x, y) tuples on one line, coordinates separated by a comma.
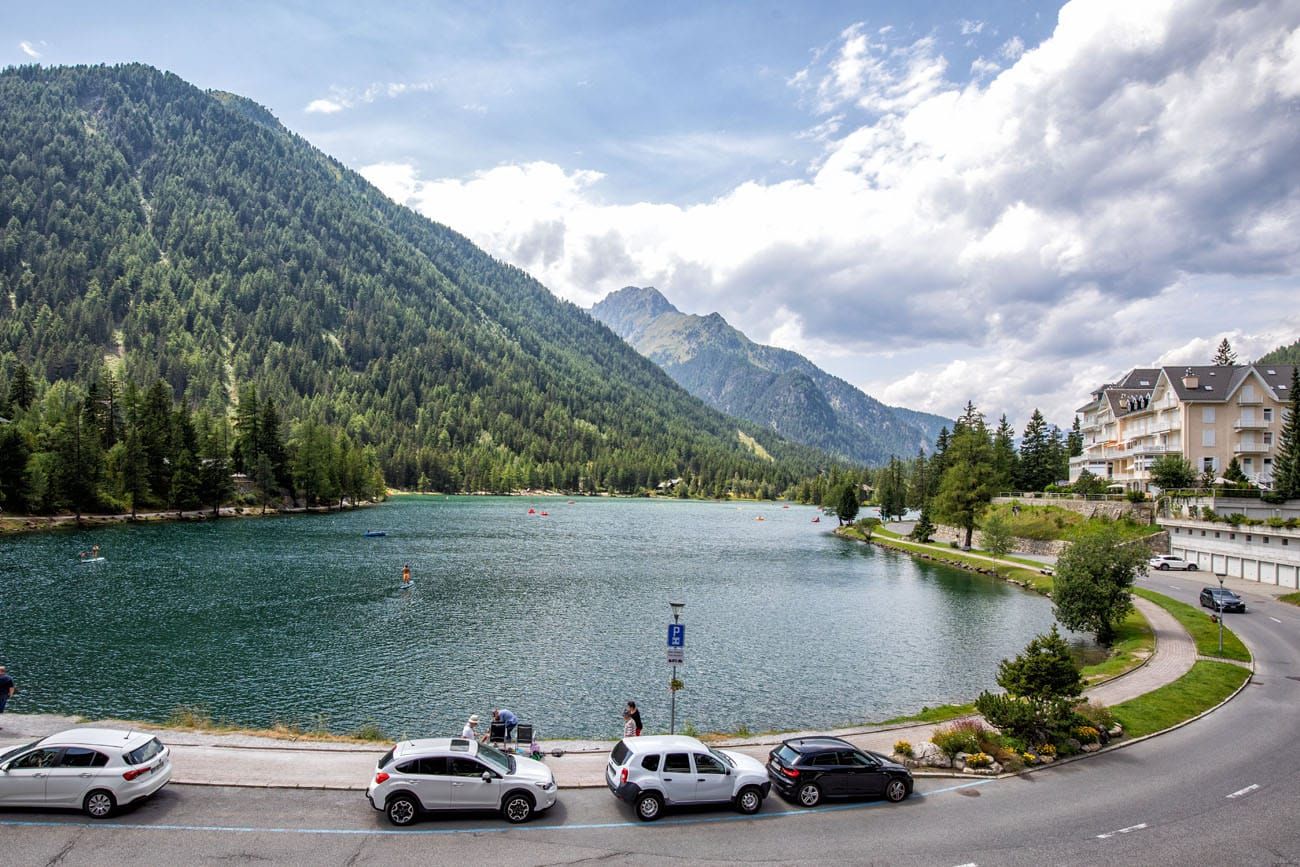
[(433, 766), (1268, 438), (1247, 393), (411, 767), (619, 755), (466, 768), (1268, 414), (706, 764), (80, 757), (1207, 437), (651, 763), (143, 754), (826, 760), (37, 759), (677, 763), (1207, 414), (856, 760), (1207, 464)]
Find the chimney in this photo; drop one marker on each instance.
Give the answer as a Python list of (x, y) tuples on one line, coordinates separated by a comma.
[(1190, 380)]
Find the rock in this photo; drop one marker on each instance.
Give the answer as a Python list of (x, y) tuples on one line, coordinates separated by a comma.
[(931, 756), (1116, 731), (1090, 748)]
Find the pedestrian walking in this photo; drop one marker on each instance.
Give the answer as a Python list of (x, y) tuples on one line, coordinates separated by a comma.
[(6, 688), (470, 732), (636, 716), (629, 724)]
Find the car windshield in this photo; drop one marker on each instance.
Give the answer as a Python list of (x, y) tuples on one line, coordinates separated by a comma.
[(495, 759), (722, 757), (6, 756)]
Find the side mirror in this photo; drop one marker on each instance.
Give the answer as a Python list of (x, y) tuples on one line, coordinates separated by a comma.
[(728, 772), (487, 776)]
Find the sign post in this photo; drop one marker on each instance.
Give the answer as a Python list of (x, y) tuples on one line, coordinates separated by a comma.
[(676, 657)]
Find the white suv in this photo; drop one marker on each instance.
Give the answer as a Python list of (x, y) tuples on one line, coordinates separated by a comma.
[(458, 774), (1165, 562), (651, 772), (94, 769)]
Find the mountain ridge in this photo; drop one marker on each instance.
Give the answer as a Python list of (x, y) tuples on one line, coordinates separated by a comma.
[(774, 387)]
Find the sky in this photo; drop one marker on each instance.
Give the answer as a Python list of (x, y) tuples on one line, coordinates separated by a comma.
[(1000, 201)]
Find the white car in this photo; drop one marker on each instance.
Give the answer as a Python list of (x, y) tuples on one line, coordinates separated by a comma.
[(458, 774), (1164, 562), (653, 772), (96, 770)]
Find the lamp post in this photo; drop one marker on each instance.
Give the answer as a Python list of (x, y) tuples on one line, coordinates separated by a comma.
[(1219, 605), (672, 685)]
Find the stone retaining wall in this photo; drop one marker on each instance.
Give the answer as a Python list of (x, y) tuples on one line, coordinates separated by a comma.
[(1049, 548), (1113, 509)]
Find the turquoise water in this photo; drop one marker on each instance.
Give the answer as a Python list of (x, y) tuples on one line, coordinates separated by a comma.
[(561, 618)]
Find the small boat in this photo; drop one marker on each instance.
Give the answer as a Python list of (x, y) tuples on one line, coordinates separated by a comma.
[(760, 518), (374, 534), (570, 502), (546, 514), (532, 511), (817, 519)]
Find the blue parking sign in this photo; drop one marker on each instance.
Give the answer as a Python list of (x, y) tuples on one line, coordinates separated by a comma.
[(676, 634)]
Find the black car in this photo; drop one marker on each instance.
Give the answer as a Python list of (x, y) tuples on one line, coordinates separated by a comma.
[(806, 770), (1221, 600)]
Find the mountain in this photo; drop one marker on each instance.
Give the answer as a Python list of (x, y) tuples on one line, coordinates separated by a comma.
[(161, 232), (776, 388), (1282, 355)]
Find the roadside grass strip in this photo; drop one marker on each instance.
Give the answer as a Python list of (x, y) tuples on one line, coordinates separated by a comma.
[(1134, 643), (1290, 598), (942, 713), (1203, 631), (1206, 685)]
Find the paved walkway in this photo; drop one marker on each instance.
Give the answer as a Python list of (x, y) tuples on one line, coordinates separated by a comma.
[(245, 760)]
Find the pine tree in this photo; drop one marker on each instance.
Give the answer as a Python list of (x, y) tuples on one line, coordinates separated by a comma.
[(967, 486), (1075, 439), (1005, 460), (1286, 465), (1036, 471), (22, 391), (1224, 356)]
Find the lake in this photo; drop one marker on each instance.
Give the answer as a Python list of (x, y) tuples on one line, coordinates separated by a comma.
[(561, 618)]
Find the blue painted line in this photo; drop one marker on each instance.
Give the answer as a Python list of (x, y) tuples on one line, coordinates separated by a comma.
[(354, 832)]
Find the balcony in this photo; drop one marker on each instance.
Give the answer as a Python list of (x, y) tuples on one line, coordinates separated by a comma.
[(1251, 449), (1250, 400), (1251, 424)]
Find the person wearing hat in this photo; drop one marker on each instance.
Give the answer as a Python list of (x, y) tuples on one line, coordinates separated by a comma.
[(470, 732)]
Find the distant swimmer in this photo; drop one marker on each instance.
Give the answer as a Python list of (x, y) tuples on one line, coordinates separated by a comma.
[(406, 574)]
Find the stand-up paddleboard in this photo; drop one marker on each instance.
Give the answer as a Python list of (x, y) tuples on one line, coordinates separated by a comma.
[(374, 534), (91, 560)]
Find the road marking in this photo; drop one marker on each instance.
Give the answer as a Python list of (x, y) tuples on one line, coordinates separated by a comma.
[(1245, 791), (1127, 830), (428, 832), (1174, 587), (1274, 619)]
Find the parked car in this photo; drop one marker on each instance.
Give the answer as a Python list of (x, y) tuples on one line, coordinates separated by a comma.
[(1221, 600), (808, 770), (653, 772), (458, 774), (1164, 562), (95, 770)]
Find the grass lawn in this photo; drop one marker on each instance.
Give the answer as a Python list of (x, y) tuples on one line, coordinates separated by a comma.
[(1207, 684), (1203, 632), (1134, 642), (942, 713), (1046, 523), (942, 552), (1293, 598)]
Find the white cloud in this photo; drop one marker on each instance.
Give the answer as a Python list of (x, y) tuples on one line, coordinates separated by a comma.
[(1013, 48), (1016, 239), (971, 28), (342, 98), (29, 49)]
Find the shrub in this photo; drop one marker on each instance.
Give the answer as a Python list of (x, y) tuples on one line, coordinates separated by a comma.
[(1087, 734), (1135, 496), (1044, 669), (369, 731), (904, 748), (189, 716), (1096, 714), (1047, 750), (1292, 523), (1275, 522), (1208, 514), (1031, 720), (978, 760), (958, 737), (1236, 519)]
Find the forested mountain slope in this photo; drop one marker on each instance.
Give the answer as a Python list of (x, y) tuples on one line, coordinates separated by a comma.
[(776, 388), (186, 235), (1289, 354)]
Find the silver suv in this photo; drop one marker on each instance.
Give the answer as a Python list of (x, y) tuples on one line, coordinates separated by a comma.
[(458, 774), (93, 769), (651, 772)]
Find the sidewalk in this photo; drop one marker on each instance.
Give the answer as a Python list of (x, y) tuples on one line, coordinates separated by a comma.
[(245, 760)]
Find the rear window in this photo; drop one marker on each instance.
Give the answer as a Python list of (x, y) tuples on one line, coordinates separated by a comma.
[(787, 754), (620, 753), (140, 755), (388, 757)]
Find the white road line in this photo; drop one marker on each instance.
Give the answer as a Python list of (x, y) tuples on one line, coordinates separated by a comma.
[(1274, 619), (1122, 831), (1174, 587), (1245, 791)]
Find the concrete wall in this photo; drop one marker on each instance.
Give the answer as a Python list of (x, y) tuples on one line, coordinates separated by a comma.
[(1251, 507), (1268, 555)]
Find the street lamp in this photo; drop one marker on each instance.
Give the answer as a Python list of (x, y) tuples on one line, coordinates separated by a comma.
[(672, 685), (1220, 576)]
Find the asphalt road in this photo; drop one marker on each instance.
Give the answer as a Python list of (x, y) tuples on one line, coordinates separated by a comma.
[(1220, 791)]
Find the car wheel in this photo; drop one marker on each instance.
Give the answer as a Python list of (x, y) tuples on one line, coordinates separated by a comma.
[(99, 804), (749, 801), (1163, 567), (517, 808), (648, 807), (895, 791), (402, 810), (810, 795), (1191, 567)]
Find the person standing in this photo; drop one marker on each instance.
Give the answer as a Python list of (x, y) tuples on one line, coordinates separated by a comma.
[(636, 716), (6, 688), (501, 715), (470, 732), (629, 724), (406, 574)]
